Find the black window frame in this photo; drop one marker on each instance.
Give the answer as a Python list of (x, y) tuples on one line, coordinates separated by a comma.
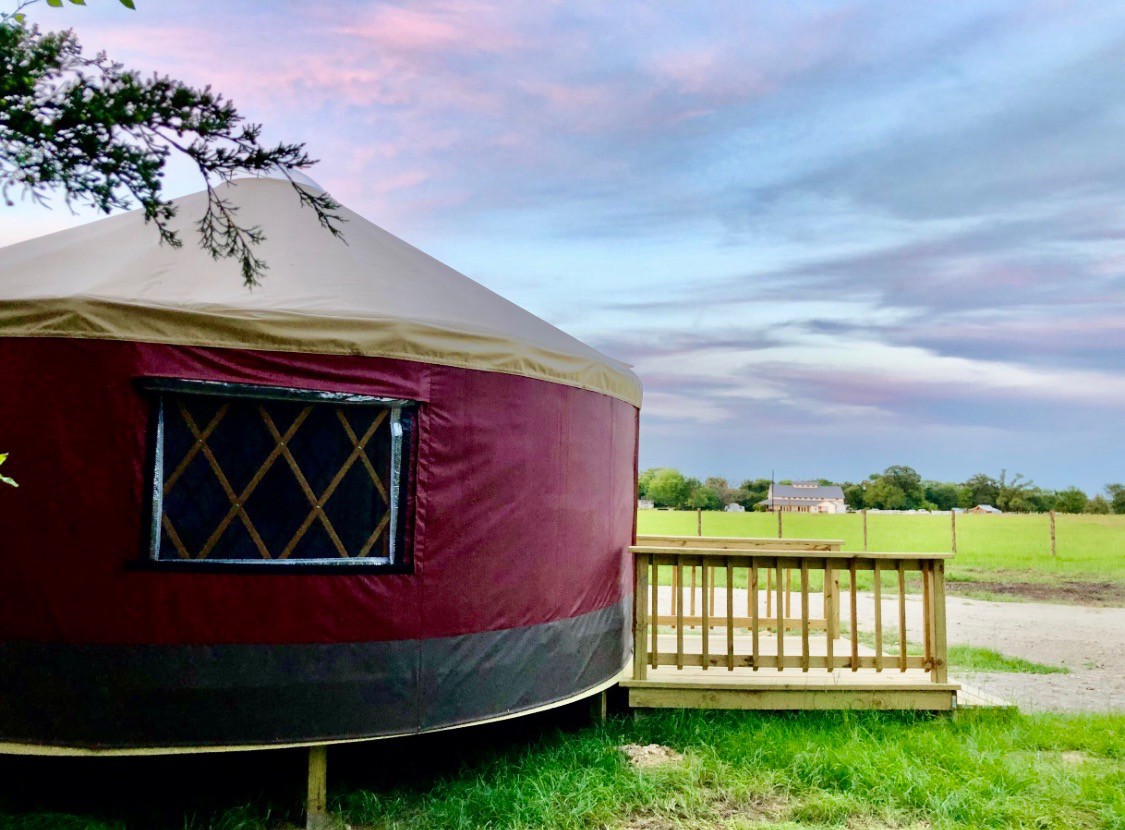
[(402, 479)]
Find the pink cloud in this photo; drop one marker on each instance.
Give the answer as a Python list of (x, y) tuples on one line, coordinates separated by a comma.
[(444, 26)]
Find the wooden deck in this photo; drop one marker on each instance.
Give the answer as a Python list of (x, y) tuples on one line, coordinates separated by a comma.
[(733, 624)]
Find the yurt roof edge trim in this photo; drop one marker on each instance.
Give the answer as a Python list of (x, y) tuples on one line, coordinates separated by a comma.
[(86, 318)]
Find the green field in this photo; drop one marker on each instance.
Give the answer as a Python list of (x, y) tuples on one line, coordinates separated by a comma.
[(993, 552)]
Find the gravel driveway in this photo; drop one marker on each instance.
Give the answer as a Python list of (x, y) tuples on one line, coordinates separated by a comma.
[(1088, 641)]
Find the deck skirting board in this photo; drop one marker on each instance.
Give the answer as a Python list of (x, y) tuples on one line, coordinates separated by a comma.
[(662, 695)]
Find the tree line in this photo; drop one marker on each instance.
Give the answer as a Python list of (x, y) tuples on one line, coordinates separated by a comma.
[(896, 488)]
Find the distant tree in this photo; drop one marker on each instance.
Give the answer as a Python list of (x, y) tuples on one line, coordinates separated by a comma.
[(898, 488), (884, 494), (907, 480), (981, 489), (1116, 497), (722, 489), (101, 135), (853, 495), (668, 488), (1071, 500), (1099, 504), (643, 481), (706, 495), (1014, 495), (1042, 501), (942, 495), (751, 492)]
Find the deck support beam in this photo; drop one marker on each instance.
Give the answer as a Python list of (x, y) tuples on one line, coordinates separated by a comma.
[(316, 810)]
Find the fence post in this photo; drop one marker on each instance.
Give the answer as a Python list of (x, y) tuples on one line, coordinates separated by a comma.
[(865, 530), (1052, 533), (698, 521), (953, 527), (779, 523)]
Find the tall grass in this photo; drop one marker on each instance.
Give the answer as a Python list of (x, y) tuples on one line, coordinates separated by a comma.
[(827, 769)]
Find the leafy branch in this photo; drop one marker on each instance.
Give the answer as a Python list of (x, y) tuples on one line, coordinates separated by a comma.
[(102, 135), (3, 478)]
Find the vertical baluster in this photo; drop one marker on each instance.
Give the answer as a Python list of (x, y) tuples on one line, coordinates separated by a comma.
[(831, 598), (751, 588), (692, 608), (878, 618), (680, 613), (654, 652), (730, 613), (804, 614), (855, 620), (714, 577), (780, 609), (941, 656), (753, 599), (769, 593), (640, 608), (927, 611), (705, 606), (901, 616), (675, 590)]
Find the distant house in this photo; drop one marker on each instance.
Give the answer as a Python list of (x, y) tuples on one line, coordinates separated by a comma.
[(984, 509), (805, 497), (645, 504), (734, 507)]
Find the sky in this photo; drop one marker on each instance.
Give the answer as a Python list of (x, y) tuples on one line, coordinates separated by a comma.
[(829, 237)]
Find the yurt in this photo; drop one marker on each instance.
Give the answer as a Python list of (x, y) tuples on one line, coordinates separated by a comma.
[(369, 497)]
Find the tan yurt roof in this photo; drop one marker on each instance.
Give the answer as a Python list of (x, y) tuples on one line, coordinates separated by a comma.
[(375, 295)]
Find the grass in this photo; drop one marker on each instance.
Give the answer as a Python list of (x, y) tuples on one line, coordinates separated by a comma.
[(992, 551), (812, 769), (975, 658), (741, 770)]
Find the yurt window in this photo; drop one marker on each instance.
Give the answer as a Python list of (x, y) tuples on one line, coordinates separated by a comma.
[(275, 477)]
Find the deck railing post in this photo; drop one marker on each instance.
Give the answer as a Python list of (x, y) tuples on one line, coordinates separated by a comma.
[(640, 615), (941, 657)]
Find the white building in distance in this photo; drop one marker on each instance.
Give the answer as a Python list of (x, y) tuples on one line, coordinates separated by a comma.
[(805, 497)]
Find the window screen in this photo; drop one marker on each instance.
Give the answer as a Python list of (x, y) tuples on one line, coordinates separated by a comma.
[(265, 475)]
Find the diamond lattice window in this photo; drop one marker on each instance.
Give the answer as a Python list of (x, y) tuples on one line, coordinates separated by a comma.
[(265, 475)]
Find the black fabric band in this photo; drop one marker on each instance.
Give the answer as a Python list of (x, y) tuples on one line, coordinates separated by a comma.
[(114, 696)]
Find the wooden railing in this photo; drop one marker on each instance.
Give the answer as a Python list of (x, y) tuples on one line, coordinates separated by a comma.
[(828, 621), (755, 640)]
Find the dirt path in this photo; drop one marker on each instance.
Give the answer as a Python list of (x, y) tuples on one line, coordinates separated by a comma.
[(1088, 641)]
